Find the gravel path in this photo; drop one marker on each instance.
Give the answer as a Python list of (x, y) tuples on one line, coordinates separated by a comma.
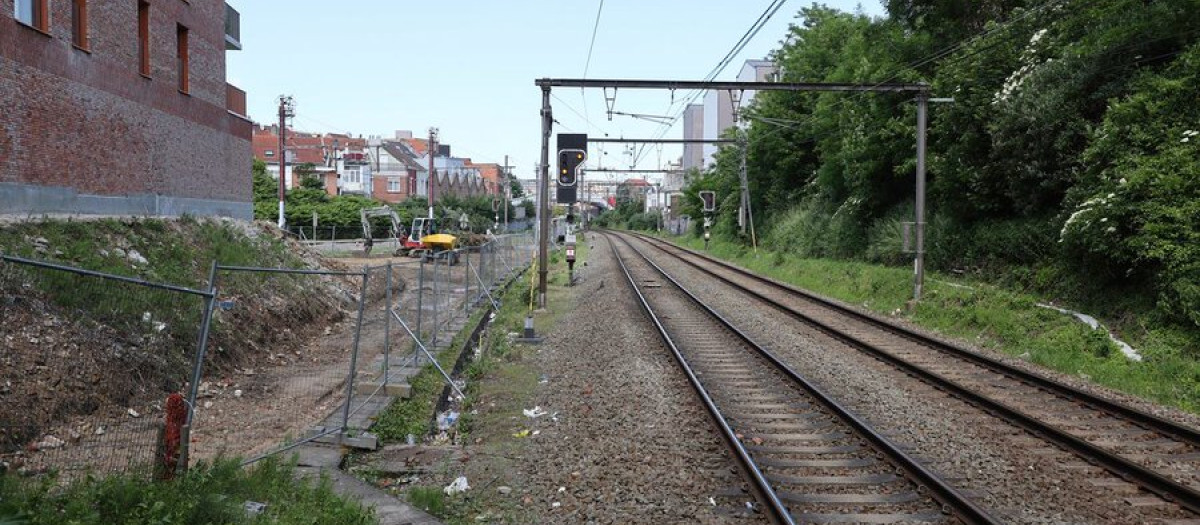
[(630, 442), (1017, 476)]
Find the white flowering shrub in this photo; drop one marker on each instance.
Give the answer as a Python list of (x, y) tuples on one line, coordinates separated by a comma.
[(1142, 217)]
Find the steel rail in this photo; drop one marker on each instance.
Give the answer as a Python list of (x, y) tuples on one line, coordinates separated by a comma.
[(952, 500), (778, 512), (1148, 479), (1139, 417)]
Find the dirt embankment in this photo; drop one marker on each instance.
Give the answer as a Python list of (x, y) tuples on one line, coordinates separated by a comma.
[(81, 356)]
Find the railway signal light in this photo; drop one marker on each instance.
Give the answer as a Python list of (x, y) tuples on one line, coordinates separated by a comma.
[(572, 153), (709, 198), (569, 162)]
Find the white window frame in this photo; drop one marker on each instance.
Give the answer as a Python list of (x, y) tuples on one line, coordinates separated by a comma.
[(29, 6), (393, 185)]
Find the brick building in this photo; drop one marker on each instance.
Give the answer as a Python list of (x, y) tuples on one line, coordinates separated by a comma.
[(121, 107)]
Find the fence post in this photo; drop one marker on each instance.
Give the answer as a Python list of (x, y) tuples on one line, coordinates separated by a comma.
[(466, 279), (362, 305), (198, 367), (387, 327), (420, 296), (434, 325)]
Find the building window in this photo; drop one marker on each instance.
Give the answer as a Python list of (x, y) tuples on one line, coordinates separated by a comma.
[(353, 176), (79, 23), (181, 40), (33, 13), (144, 38), (393, 185), (269, 153)]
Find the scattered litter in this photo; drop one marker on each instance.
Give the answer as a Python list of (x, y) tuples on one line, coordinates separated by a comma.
[(487, 517), (522, 434), (50, 442), (208, 404), (750, 505), (410, 439), (1129, 352), (562, 490), (447, 419), (712, 501), (543, 379), (505, 490), (535, 413), (254, 508), (99, 431), (459, 485), (555, 505), (536, 432), (134, 413), (137, 258)]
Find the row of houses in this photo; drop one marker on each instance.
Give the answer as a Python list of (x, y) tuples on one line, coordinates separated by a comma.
[(122, 108), (386, 169)]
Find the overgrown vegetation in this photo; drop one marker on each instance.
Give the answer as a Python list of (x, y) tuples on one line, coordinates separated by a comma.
[(208, 494), (130, 344), (1066, 166), (991, 316), (628, 215)]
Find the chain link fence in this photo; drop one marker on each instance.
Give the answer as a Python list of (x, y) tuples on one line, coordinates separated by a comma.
[(102, 373), (89, 364), (277, 368)]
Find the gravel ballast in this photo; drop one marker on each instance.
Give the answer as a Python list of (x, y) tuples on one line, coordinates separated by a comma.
[(1019, 477), (624, 439)]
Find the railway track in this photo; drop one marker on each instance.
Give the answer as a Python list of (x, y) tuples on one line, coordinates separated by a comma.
[(1158, 455), (809, 460)]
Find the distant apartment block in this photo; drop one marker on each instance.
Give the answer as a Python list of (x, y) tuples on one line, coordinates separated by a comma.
[(121, 108), (719, 105), (693, 128)]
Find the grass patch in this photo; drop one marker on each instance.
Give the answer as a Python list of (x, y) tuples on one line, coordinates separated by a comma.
[(500, 384), (991, 316), (428, 499), (208, 494)]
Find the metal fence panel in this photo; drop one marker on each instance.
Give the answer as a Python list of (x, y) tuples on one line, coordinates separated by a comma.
[(285, 382), (87, 362)]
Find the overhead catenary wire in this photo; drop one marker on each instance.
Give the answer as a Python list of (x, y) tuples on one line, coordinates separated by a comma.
[(588, 63), (737, 48)]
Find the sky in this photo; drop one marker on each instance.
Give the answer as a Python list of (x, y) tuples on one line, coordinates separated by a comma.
[(467, 67)]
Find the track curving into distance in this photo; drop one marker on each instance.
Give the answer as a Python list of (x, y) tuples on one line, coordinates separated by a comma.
[(1158, 455), (809, 459)]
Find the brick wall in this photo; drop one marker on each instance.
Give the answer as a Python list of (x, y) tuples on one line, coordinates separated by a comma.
[(87, 120), (379, 188)]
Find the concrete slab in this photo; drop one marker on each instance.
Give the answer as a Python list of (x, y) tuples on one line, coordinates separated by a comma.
[(322, 456), (388, 509), (393, 389)]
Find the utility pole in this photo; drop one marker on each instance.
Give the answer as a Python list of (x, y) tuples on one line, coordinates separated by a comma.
[(745, 139), (287, 108), (919, 263), (544, 198), (507, 191), (432, 151)]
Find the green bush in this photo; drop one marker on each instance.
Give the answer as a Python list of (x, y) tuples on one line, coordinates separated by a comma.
[(208, 494)]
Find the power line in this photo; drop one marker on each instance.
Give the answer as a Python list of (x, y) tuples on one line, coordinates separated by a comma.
[(588, 64), (595, 29), (737, 48)]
